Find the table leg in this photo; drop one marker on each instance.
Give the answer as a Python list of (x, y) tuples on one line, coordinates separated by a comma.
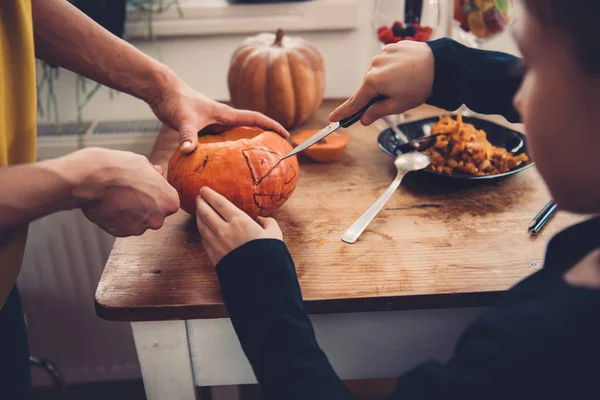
[(164, 356)]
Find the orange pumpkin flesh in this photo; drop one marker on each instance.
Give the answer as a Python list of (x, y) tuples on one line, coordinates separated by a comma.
[(328, 150), (243, 164)]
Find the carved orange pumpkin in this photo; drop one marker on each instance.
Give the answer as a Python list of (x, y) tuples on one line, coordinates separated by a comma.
[(282, 77), (243, 164)]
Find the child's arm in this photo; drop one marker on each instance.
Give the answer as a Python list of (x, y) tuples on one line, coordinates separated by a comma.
[(485, 81), (263, 298), (264, 301), (442, 73)]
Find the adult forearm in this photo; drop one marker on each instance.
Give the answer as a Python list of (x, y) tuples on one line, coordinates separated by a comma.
[(30, 191), (67, 37)]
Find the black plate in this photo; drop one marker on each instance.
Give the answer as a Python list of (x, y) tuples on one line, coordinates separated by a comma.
[(498, 135)]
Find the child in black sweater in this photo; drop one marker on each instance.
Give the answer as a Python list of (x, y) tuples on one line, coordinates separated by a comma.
[(542, 339)]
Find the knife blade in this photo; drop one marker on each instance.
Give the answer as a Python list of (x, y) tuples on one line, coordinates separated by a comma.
[(334, 126), (329, 129)]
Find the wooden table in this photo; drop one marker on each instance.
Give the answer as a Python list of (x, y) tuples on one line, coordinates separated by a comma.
[(430, 262)]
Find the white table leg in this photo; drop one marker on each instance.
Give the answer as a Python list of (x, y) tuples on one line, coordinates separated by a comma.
[(164, 356)]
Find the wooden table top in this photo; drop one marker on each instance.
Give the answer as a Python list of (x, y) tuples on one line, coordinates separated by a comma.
[(437, 243)]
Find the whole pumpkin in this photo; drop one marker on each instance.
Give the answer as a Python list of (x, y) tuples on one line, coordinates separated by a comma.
[(243, 164), (281, 77)]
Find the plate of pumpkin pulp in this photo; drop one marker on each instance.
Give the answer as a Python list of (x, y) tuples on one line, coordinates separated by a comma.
[(462, 147)]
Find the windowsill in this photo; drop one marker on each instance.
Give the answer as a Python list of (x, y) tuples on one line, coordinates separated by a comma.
[(217, 17)]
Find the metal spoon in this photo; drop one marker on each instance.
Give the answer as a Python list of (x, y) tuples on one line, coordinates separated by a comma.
[(405, 163), (397, 132), (407, 144)]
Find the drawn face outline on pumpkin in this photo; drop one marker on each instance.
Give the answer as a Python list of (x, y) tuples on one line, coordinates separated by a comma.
[(269, 182), (288, 176)]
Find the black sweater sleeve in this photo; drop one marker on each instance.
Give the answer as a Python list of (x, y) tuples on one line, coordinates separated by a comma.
[(262, 294), (485, 81)]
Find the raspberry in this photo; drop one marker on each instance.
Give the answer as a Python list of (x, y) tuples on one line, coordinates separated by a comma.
[(397, 39), (422, 36), (386, 35)]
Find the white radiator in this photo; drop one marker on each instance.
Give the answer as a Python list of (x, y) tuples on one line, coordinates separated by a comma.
[(64, 258), (63, 262)]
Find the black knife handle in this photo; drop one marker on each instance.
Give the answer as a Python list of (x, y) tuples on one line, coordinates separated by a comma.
[(346, 122)]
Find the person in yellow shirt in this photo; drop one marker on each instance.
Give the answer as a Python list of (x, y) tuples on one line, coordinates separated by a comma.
[(120, 191)]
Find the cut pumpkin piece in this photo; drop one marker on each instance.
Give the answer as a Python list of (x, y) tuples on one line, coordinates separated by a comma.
[(328, 150)]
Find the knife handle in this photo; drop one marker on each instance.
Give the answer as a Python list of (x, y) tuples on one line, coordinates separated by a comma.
[(346, 122)]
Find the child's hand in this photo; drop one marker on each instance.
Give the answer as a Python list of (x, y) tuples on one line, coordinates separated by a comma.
[(224, 227), (403, 72)]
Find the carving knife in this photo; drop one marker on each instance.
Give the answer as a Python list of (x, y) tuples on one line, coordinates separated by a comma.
[(334, 126)]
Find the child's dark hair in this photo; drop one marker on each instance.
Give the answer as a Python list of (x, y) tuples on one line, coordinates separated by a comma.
[(579, 20)]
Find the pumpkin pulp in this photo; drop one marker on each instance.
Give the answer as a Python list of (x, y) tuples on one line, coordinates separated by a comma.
[(329, 149), (231, 135)]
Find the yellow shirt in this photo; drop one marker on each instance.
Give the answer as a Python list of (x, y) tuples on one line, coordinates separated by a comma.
[(17, 119)]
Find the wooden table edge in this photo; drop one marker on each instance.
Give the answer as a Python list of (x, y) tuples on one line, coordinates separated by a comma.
[(335, 306)]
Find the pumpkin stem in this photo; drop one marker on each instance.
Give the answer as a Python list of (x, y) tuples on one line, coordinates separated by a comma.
[(278, 37)]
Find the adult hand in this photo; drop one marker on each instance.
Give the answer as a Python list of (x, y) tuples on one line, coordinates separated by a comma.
[(122, 192), (189, 112), (403, 72), (224, 227), (67, 37)]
